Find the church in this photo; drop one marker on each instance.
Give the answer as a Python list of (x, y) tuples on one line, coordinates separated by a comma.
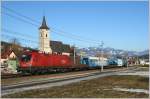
[(48, 46), (44, 38)]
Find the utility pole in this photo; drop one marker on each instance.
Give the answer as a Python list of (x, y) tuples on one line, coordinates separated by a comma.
[(101, 45), (74, 56), (137, 60), (127, 59)]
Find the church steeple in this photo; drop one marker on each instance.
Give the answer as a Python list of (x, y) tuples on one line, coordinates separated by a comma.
[(44, 37), (44, 25)]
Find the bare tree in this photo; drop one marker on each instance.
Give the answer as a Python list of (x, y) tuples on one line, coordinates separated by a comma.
[(16, 47)]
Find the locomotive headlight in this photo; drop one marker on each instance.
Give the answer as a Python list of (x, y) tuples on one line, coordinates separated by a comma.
[(63, 61)]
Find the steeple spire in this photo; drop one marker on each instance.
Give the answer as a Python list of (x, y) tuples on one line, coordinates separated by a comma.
[(44, 26)]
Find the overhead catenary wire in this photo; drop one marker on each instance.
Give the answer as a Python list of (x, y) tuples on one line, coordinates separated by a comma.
[(37, 22), (22, 41), (29, 36), (27, 39), (74, 36), (25, 42), (18, 18), (21, 15), (71, 37), (17, 33), (59, 32), (63, 34), (18, 36)]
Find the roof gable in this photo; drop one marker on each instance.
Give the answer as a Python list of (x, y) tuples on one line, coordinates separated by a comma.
[(6, 54)]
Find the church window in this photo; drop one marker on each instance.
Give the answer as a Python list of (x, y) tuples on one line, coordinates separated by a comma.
[(46, 35)]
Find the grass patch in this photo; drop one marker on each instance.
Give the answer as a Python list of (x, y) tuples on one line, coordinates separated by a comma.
[(144, 65), (96, 88)]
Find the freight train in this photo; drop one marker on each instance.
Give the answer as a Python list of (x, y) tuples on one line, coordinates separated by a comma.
[(37, 62)]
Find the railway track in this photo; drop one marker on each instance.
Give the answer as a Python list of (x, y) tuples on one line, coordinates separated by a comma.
[(7, 76), (44, 83)]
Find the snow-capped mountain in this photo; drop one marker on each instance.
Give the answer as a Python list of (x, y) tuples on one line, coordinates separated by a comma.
[(93, 51)]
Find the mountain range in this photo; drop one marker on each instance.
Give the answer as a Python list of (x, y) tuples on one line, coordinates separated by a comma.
[(93, 51)]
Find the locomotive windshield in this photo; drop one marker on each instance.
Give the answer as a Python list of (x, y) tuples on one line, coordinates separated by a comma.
[(25, 58)]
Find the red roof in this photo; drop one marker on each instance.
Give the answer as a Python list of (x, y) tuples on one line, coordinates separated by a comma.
[(6, 54)]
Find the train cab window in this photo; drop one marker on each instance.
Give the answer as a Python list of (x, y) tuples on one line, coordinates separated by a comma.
[(85, 61), (26, 58)]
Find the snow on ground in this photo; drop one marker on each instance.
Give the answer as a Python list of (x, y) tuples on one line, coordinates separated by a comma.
[(135, 72), (132, 90), (139, 73)]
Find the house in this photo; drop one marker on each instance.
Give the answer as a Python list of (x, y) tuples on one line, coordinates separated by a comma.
[(144, 61), (6, 55), (8, 62)]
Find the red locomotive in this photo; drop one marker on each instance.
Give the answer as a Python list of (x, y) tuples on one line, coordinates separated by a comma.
[(36, 62)]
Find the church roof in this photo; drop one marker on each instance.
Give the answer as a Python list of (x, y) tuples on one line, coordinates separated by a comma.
[(58, 46), (44, 25)]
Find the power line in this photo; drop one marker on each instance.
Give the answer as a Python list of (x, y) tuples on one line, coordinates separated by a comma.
[(71, 37), (19, 37), (53, 29), (75, 36), (39, 22), (26, 17), (10, 31), (18, 18), (23, 41), (28, 38)]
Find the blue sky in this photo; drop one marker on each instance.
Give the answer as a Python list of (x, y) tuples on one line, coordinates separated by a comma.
[(121, 25)]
